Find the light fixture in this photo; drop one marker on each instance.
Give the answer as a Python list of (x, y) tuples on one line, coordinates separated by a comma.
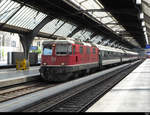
[(144, 29), (117, 32), (143, 23), (138, 2), (141, 15)]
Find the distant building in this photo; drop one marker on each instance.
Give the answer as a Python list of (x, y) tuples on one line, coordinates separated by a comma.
[(9, 42)]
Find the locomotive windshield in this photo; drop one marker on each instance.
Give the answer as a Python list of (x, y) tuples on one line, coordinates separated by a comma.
[(63, 49), (47, 50)]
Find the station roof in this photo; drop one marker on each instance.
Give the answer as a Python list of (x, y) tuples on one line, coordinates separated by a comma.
[(22, 16), (128, 14)]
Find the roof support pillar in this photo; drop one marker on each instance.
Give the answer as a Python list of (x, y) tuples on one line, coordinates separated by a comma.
[(27, 39)]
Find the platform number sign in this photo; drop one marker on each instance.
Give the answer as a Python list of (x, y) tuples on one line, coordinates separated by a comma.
[(147, 50), (147, 47)]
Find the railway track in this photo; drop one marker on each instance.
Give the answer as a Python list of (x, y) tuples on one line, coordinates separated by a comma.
[(15, 91), (80, 98), (11, 92)]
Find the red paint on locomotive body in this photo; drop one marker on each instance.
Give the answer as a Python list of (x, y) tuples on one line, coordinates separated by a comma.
[(62, 58), (80, 54)]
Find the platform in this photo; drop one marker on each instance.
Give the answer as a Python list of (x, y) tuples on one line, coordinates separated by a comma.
[(12, 76), (132, 94)]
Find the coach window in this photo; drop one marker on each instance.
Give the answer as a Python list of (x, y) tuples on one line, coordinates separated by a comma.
[(112, 54), (94, 51), (102, 53), (81, 49), (117, 54), (108, 53), (120, 54)]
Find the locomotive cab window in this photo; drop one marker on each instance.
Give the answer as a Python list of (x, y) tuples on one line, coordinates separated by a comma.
[(63, 49), (47, 50)]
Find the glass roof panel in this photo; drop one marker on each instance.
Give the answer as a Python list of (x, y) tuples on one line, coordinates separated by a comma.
[(100, 14), (107, 20), (95, 4), (58, 27), (96, 39), (90, 4), (7, 9), (52, 26), (86, 35), (146, 8), (82, 35), (27, 18), (65, 30), (147, 25)]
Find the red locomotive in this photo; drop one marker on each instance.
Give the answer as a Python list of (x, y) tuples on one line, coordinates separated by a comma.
[(62, 59), (66, 58)]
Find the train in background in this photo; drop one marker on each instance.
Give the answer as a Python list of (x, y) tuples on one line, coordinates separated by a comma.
[(66, 58)]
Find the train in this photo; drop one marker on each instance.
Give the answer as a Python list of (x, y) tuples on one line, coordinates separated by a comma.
[(66, 58)]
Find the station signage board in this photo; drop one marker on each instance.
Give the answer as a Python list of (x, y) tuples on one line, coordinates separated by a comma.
[(33, 48), (147, 49)]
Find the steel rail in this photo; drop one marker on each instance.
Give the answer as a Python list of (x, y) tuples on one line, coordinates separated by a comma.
[(26, 101)]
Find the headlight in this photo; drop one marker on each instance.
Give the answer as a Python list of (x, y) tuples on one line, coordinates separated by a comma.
[(62, 64), (44, 64)]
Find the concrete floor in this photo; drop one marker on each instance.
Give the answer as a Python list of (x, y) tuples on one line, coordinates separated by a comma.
[(132, 94), (12, 76)]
